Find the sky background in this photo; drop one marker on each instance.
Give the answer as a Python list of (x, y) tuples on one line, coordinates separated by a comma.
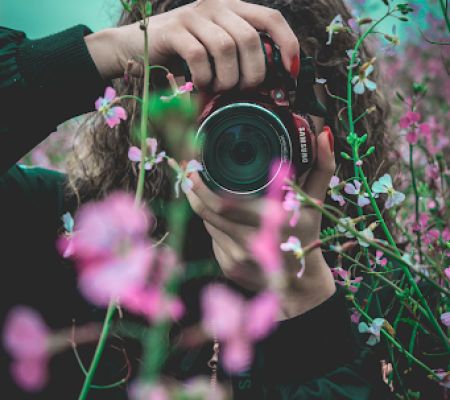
[(39, 18)]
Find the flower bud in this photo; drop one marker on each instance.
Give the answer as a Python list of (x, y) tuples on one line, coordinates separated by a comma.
[(367, 65), (363, 21)]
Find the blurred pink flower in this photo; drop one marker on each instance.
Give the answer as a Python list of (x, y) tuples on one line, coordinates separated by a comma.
[(356, 315), (25, 338), (441, 373), (112, 115), (264, 246), (409, 121), (238, 323), (445, 318), (432, 172), (292, 202), (110, 247), (134, 154)]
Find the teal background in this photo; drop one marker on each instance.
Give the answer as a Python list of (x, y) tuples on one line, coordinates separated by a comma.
[(38, 18)]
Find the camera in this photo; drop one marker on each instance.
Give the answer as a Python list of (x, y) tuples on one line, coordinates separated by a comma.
[(241, 134)]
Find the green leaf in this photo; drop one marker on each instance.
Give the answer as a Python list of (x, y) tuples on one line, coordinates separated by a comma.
[(148, 9), (404, 19), (399, 95), (126, 5)]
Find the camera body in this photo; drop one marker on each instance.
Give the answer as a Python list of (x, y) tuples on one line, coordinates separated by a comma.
[(241, 134)]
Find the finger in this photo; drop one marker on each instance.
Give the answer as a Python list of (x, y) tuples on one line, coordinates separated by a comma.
[(224, 225), (317, 181), (222, 48), (245, 212), (251, 55), (194, 53), (268, 20)]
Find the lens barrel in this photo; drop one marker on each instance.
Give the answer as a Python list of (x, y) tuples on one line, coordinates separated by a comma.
[(236, 145)]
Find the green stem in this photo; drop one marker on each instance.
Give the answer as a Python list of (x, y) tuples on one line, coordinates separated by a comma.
[(447, 21), (398, 345), (131, 97), (430, 315), (144, 117), (98, 350), (416, 194)]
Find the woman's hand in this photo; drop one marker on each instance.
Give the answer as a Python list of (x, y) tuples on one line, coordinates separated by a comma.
[(232, 225), (226, 29)]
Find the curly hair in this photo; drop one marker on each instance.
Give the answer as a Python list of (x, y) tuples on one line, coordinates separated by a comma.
[(99, 163)]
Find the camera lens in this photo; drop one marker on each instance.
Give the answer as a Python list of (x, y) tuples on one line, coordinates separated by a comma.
[(243, 152), (237, 144)]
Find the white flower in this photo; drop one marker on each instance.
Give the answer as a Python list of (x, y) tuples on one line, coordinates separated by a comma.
[(360, 81), (368, 235), (349, 222), (335, 27), (293, 244), (384, 185), (183, 174)]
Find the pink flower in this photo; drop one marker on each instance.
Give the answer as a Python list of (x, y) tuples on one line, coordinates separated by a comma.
[(112, 115), (177, 90), (441, 373), (238, 323), (432, 172), (445, 318), (347, 282), (110, 248), (409, 121), (292, 202), (356, 315), (25, 338), (378, 260), (264, 245), (183, 173), (363, 199), (335, 187), (134, 154), (423, 221)]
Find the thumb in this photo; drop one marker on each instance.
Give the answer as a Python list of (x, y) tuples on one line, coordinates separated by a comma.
[(318, 179)]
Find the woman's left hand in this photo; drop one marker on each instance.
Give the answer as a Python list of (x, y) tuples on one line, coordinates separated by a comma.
[(232, 225)]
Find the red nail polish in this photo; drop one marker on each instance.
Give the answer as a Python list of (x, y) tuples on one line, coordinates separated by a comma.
[(295, 66), (330, 137)]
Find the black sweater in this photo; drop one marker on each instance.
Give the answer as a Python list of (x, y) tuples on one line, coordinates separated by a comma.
[(44, 82)]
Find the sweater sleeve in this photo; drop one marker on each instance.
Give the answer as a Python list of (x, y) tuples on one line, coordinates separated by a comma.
[(43, 83), (316, 355)]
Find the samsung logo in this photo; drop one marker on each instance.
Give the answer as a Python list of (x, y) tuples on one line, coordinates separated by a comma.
[(303, 145)]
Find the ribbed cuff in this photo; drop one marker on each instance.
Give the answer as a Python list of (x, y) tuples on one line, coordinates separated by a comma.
[(59, 69), (311, 344)]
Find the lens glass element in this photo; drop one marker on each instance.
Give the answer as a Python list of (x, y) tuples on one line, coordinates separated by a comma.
[(243, 153)]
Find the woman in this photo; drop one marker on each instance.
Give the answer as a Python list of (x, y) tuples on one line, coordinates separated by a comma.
[(315, 352)]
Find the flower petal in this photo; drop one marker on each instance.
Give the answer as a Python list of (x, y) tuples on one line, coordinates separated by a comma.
[(110, 94), (134, 154)]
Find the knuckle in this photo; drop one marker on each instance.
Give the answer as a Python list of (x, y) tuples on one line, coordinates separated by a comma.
[(226, 45), (195, 54), (275, 15), (250, 38)]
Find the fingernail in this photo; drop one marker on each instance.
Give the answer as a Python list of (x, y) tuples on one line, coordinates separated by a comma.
[(330, 137), (295, 66)]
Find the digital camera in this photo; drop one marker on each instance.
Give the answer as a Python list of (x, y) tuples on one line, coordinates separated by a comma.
[(241, 133)]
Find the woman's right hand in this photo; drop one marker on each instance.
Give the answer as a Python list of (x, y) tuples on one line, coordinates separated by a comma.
[(226, 29)]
